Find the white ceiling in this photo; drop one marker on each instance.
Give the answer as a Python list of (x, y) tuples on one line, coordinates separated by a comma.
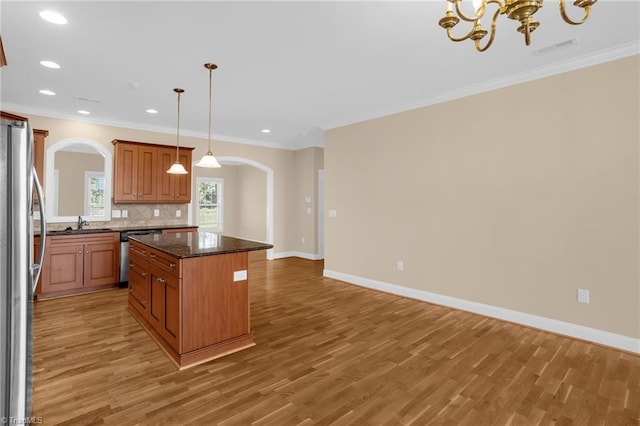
[(293, 67)]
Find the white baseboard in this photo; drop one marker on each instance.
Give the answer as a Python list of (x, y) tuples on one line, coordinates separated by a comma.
[(300, 254), (555, 326)]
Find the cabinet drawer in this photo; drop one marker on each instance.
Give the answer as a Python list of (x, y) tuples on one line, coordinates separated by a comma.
[(167, 263), (138, 249)]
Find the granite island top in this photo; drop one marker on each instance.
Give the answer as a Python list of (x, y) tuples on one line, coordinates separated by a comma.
[(198, 243)]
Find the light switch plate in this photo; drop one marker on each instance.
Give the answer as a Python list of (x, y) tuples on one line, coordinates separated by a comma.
[(116, 213), (307, 199), (125, 213), (156, 212), (333, 213), (240, 275), (178, 213)]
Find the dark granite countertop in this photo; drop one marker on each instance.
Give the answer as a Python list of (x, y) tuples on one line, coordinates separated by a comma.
[(121, 228), (199, 243)]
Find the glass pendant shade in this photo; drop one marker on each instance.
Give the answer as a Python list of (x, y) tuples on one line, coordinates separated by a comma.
[(177, 169), (209, 161)]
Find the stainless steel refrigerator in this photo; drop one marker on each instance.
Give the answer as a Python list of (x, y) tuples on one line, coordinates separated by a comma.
[(18, 272)]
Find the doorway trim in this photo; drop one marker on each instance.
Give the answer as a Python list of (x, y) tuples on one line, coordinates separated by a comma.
[(269, 189)]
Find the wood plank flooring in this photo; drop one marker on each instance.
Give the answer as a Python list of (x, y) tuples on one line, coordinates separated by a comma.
[(326, 353)]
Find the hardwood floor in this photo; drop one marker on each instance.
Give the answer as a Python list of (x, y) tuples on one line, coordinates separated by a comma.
[(326, 353)]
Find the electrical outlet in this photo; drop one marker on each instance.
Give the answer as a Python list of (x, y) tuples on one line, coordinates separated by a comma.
[(156, 212), (303, 240), (116, 213), (178, 213), (333, 213), (307, 199), (125, 213), (400, 265), (583, 295)]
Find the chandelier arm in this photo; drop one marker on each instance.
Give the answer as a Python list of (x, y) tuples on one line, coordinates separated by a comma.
[(492, 35), (458, 39), (474, 18), (563, 12)]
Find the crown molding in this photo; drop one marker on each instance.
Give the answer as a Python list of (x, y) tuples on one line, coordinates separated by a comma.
[(28, 110), (603, 56)]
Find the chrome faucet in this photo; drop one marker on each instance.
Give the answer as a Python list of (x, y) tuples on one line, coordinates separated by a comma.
[(82, 223)]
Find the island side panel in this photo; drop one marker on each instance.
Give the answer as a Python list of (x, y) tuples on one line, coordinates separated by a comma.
[(215, 307)]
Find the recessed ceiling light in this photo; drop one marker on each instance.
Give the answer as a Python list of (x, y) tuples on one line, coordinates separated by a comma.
[(53, 17), (83, 112), (266, 131), (152, 111), (49, 64), (47, 92)]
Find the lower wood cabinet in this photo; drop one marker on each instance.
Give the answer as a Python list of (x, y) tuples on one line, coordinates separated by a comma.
[(193, 307), (176, 230), (164, 314), (80, 263)]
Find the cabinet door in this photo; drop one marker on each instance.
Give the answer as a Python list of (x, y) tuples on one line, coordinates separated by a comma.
[(166, 157), (125, 179), (175, 188), (38, 152), (171, 324), (63, 268), (101, 260), (164, 312), (147, 172), (182, 183), (139, 285)]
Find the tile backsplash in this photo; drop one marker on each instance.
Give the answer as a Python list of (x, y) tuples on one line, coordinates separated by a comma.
[(137, 214)]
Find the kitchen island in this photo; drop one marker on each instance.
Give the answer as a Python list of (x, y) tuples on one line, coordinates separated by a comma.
[(190, 291)]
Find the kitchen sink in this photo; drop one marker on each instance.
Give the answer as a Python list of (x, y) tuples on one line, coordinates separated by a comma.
[(79, 231)]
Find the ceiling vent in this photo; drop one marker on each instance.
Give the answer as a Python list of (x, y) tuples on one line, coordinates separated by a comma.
[(81, 98), (552, 47)]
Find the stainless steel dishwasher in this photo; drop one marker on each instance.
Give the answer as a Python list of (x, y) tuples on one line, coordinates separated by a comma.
[(124, 251)]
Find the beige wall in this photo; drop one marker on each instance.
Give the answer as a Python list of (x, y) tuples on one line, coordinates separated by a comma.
[(307, 162), (281, 161), (71, 168), (252, 204), (512, 198)]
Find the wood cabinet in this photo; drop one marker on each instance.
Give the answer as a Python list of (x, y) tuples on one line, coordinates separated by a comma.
[(173, 188), (80, 263), (196, 309), (140, 173), (139, 280), (135, 172)]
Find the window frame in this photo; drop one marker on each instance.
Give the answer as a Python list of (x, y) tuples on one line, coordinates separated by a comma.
[(220, 184), (88, 175)]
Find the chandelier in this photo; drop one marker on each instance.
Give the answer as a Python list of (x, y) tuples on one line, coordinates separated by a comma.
[(519, 10)]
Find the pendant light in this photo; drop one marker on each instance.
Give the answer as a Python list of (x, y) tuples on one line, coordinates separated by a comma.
[(209, 160), (177, 168)]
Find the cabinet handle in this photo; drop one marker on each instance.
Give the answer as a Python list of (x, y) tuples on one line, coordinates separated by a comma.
[(144, 274), (152, 256), (143, 303), (131, 265), (87, 251), (160, 280), (172, 265), (80, 252), (130, 290)]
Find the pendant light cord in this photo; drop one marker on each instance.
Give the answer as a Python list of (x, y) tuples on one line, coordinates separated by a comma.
[(209, 142), (178, 132)]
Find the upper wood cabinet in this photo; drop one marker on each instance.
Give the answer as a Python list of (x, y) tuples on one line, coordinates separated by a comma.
[(173, 188), (140, 174)]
